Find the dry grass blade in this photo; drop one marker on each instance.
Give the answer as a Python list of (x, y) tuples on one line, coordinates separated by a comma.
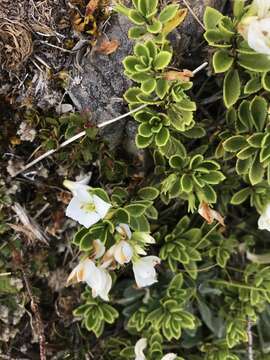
[(29, 226)]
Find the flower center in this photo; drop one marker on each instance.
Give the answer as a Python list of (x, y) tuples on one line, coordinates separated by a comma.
[(88, 207)]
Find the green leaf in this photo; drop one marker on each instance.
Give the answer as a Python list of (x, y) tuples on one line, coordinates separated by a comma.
[(109, 313), (209, 193), (186, 183), (79, 235), (187, 105), (254, 62), (173, 146), (231, 88), (142, 6), (222, 61), (130, 62), (241, 196), (214, 177), (122, 216), (152, 7), (148, 193), (211, 17), (235, 143), (265, 154), (243, 166), (144, 129), (162, 137), (155, 27), (131, 95), (256, 171), (136, 210), (162, 60), (101, 193), (255, 140), (140, 223), (258, 108), (162, 88), (136, 32), (168, 13), (253, 86), (141, 50), (136, 17), (196, 132), (143, 142), (213, 37), (266, 81), (148, 86)]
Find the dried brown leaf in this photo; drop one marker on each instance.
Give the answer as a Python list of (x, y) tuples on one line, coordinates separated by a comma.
[(108, 47), (209, 214)]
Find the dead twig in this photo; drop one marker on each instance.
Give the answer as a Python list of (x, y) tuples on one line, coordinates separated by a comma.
[(193, 14), (35, 309), (29, 226)]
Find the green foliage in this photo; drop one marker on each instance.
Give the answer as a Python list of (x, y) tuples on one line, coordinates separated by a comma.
[(95, 314)]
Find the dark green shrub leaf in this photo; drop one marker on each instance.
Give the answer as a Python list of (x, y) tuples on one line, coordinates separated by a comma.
[(222, 61), (258, 108), (256, 171), (231, 88), (235, 143), (241, 196), (254, 62), (168, 13), (148, 193), (211, 17), (162, 137)]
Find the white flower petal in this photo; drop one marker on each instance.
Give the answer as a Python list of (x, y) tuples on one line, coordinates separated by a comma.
[(144, 270), (81, 272), (262, 7), (123, 252), (140, 346), (75, 186), (258, 36), (76, 211), (264, 219), (102, 207), (99, 248), (124, 230), (170, 356), (100, 281)]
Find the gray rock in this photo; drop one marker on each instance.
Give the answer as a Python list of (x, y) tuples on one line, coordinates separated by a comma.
[(102, 81)]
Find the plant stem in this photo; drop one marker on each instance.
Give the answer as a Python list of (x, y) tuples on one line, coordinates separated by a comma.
[(205, 236)]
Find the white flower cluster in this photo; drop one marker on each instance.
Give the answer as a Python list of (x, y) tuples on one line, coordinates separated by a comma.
[(87, 208), (255, 26)]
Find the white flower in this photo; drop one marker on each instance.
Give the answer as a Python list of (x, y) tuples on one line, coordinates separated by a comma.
[(141, 345), (170, 356), (84, 207), (96, 277), (123, 252), (144, 270), (264, 219), (258, 36), (124, 231), (255, 26)]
